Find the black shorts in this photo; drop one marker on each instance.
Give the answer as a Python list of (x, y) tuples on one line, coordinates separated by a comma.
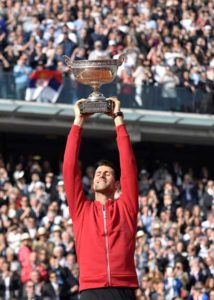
[(110, 293)]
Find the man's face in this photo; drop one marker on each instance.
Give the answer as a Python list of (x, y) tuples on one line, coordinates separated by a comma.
[(104, 180)]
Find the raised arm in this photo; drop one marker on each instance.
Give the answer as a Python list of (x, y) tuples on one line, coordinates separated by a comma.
[(128, 179), (71, 170)]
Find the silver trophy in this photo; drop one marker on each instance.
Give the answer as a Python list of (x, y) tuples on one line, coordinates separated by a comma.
[(95, 73)]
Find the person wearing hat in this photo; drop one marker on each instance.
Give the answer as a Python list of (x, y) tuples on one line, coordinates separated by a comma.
[(56, 235), (105, 228), (21, 183), (42, 241), (98, 52), (156, 230), (40, 193), (34, 178), (60, 195)]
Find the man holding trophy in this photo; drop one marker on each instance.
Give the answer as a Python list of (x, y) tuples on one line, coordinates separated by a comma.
[(105, 228)]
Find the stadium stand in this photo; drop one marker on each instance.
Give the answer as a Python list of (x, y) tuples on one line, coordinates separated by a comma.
[(169, 49)]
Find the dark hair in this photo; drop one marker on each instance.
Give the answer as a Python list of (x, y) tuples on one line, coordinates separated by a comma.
[(108, 163)]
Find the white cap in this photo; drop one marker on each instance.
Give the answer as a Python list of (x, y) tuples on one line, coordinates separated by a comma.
[(56, 228), (18, 175), (12, 213), (61, 182), (156, 226), (212, 63), (207, 27), (25, 236), (112, 43), (140, 233), (41, 231), (70, 25), (69, 222), (39, 185), (97, 43)]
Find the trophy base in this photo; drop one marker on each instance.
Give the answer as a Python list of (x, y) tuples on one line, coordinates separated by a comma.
[(98, 106)]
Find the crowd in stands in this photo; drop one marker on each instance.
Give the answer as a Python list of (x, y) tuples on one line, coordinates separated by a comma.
[(168, 43), (174, 240)]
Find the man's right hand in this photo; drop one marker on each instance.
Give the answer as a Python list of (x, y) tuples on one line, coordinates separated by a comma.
[(79, 118)]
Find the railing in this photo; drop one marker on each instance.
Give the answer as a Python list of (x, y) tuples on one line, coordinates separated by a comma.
[(147, 97)]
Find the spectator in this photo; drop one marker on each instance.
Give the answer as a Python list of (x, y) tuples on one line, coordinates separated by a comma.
[(35, 177), (4, 68), (52, 289), (40, 194), (198, 292), (68, 45), (9, 282), (169, 82), (24, 257), (182, 276), (188, 194), (21, 71), (72, 282), (11, 258), (208, 196), (37, 56), (29, 292), (158, 290), (13, 237), (172, 285), (24, 211), (35, 276), (126, 88), (211, 294), (139, 80), (98, 52), (42, 264), (42, 241), (196, 273)]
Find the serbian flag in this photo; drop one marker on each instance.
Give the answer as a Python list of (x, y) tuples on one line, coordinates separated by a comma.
[(44, 86)]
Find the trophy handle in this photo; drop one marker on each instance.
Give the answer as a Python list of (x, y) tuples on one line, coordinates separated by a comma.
[(68, 61), (121, 59)]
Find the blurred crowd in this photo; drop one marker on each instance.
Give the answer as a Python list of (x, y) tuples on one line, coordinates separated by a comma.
[(168, 43), (174, 240)]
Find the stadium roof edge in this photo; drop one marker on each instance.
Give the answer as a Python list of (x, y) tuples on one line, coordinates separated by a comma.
[(20, 116)]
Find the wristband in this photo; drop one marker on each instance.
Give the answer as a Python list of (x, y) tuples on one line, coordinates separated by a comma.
[(118, 114)]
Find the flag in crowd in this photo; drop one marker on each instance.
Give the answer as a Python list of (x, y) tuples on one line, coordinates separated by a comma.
[(44, 85)]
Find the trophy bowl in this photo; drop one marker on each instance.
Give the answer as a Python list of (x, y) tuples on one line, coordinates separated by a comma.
[(95, 73)]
